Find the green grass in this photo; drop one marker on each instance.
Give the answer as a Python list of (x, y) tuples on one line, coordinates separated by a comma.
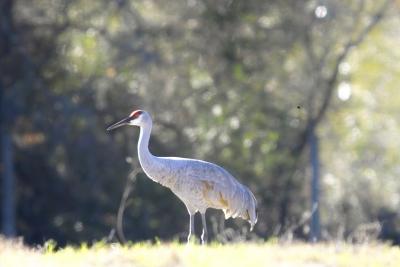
[(245, 254)]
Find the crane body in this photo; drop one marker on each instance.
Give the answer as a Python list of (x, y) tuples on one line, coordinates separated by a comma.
[(199, 184)]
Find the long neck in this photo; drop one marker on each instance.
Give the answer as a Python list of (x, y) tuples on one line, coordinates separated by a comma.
[(145, 157), (151, 165)]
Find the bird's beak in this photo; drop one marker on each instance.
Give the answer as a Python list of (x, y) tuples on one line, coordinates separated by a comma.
[(119, 124)]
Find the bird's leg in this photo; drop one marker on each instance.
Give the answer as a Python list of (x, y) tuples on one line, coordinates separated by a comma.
[(191, 227), (204, 235)]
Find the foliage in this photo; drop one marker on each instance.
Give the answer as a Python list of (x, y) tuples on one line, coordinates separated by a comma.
[(366, 124)]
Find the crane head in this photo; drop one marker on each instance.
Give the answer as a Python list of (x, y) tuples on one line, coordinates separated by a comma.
[(136, 118)]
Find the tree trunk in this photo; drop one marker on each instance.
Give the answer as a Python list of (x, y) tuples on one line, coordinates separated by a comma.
[(314, 158), (7, 173), (6, 113)]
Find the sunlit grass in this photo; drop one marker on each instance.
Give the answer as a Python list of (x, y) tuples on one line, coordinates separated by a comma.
[(173, 254)]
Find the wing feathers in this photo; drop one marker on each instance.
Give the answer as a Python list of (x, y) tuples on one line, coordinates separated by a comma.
[(222, 191)]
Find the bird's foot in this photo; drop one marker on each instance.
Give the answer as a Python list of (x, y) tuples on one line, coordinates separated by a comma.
[(191, 239), (203, 238)]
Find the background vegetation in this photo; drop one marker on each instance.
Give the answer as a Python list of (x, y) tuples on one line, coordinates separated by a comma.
[(245, 84)]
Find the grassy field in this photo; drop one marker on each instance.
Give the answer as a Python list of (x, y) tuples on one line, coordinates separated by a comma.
[(164, 255)]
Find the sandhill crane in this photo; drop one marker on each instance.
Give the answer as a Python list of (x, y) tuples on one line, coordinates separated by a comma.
[(199, 184)]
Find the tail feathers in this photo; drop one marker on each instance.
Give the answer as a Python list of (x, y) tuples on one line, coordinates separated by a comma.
[(242, 203)]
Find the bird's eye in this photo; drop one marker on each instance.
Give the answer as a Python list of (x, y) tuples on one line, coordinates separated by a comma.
[(135, 114)]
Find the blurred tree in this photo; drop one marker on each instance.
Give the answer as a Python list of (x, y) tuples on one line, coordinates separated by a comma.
[(361, 179), (7, 114)]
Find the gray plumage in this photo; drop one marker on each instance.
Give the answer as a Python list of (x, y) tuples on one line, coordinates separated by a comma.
[(199, 184)]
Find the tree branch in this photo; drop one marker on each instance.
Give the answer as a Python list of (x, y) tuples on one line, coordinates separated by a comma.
[(313, 121), (331, 82), (123, 204)]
